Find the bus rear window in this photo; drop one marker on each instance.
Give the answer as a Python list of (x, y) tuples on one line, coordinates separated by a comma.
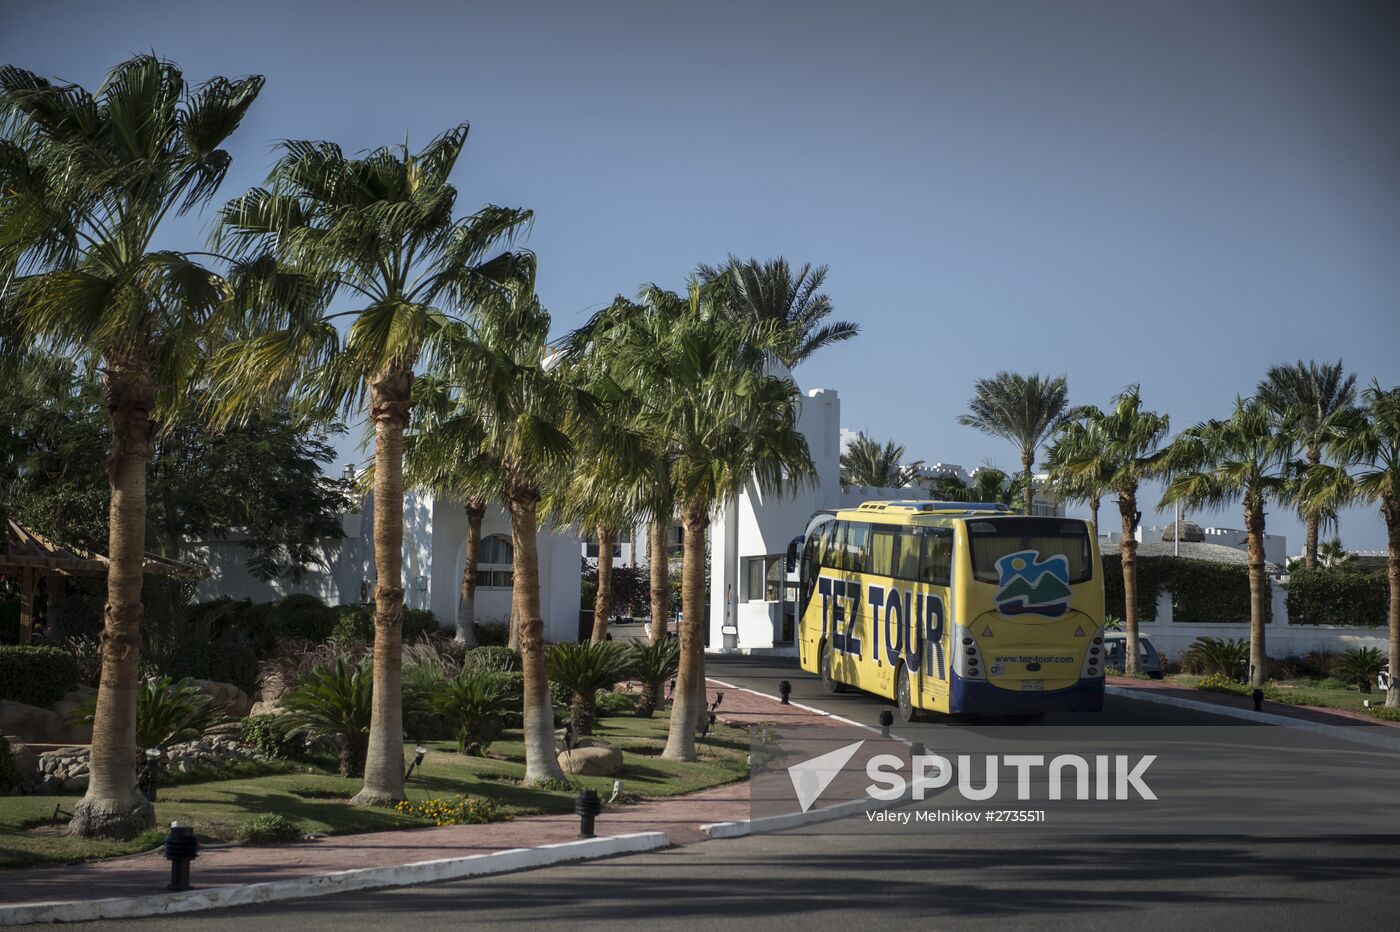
[(994, 538)]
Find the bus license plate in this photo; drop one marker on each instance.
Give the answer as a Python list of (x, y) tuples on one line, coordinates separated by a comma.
[(1031, 686)]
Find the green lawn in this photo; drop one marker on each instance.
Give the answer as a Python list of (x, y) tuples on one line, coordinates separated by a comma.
[(1300, 692), (318, 799)]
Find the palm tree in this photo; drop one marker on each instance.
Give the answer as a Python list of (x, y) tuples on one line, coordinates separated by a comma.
[(86, 183), (1365, 444), (1074, 442), (529, 411), (1022, 409), (790, 300), (866, 463), (1244, 458), (380, 232), (1306, 398), (1116, 450), (699, 374)]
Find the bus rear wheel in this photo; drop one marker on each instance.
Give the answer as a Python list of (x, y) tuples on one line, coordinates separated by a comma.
[(904, 695), (829, 682)]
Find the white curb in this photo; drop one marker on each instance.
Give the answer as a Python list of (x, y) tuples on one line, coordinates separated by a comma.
[(366, 878), (1374, 736)]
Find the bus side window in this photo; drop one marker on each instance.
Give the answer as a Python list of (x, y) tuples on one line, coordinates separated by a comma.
[(833, 539), (884, 544), (857, 536), (936, 565), (907, 547)]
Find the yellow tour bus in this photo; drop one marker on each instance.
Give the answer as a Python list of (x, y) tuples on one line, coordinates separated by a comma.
[(953, 607)]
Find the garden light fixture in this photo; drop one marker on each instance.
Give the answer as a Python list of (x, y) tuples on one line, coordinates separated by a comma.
[(784, 690), (419, 753), (886, 720), (181, 847)]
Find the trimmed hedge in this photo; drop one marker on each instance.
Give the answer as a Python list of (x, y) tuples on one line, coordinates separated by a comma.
[(1325, 596), (1202, 591), (36, 675)]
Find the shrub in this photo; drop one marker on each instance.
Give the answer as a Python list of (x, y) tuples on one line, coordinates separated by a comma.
[(234, 662), (584, 669), (1385, 713), (474, 705), (496, 658), (267, 734), (1228, 657), (87, 653), (166, 713), (654, 664), (1220, 683), (616, 703), (356, 623), (335, 701), (1359, 666), (460, 810), (36, 674), (1201, 590), (9, 773), (270, 828), (304, 616), (1336, 597), (493, 633)]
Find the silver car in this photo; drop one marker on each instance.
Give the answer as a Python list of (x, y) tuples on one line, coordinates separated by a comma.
[(1148, 661)]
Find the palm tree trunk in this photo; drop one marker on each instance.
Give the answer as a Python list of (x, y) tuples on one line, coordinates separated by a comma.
[(660, 576), (466, 602), (1311, 521), (1390, 509), (112, 807), (689, 701), (602, 601), (1094, 514), (389, 408), (541, 762), (1027, 494), (1258, 592), (1127, 508)]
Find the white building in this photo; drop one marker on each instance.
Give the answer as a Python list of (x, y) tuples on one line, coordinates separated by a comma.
[(1275, 545), (434, 555)]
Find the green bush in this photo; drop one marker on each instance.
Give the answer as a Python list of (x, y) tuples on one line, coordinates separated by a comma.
[(611, 702), (1227, 657), (335, 701), (304, 616), (1337, 597), (584, 669), (166, 712), (1385, 713), (356, 623), (1359, 666), (270, 828), (9, 773), (474, 704), (36, 674), (1201, 590), (654, 664), (493, 633), (234, 662), (495, 657), (267, 735), (460, 810)]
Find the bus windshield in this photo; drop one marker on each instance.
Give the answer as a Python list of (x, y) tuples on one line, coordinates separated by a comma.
[(992, 539)]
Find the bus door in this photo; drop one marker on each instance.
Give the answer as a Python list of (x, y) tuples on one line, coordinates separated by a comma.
[(851, 618), (933, 611)]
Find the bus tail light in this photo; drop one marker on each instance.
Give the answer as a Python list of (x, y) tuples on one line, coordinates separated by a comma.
[(967, 659), (1093, 657)]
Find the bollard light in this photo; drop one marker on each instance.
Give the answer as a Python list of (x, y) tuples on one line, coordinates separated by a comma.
[(587, 806), (419, 753), (719, 697), (181, 847), (150, 774), (784, 690), (917, 749), (1258, 697), (886, 720)]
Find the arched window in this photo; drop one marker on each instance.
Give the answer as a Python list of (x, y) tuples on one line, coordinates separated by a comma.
[(494, 566)]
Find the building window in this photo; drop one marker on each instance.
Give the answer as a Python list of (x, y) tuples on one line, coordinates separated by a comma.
[(495, 564), (590, 547), (763, 579)]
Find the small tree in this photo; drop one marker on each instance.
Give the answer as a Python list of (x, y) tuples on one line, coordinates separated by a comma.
[(584, 669), (335, 701)]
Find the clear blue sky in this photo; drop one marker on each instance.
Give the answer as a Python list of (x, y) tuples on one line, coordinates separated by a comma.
[(1177, 194)]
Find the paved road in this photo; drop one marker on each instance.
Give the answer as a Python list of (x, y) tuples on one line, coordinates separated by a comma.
[(866, 877)]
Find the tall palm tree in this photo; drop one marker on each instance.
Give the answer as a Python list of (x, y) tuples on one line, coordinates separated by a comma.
[(774, 292), (86, 183), (1243, 458), (1118, 448), (1365, 444), (1022, 409), (529, 411), (379, 232), (1306, 397), (1073, 441), (699, 375), (866, 462)]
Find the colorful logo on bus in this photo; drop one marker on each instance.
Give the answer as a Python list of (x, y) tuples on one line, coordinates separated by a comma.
[(1032, 585)]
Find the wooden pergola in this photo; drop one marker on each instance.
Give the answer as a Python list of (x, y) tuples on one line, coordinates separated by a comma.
[(30, 556)]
